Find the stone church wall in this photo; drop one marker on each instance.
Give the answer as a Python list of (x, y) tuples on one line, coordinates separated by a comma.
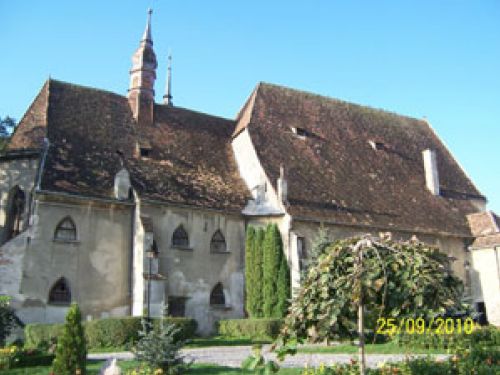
[(17, 172), (96, 264), (193, 271)]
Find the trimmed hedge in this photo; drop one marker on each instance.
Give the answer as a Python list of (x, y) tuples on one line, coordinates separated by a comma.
[(102, 333), (251, 328)]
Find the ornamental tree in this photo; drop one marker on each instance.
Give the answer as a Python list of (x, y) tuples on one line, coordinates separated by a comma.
[(354, 281), (71, 351), (259, 272), (273, 250), (251, 297)]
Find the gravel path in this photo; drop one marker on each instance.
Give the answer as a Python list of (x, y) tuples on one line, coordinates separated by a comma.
[(232, 356)]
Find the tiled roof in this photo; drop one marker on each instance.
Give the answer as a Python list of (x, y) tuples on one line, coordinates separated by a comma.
[(483, 223), (486, 227), (488, 241), (356, 165), (90, 130)]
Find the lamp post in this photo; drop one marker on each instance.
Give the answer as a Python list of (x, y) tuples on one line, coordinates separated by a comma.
[(151, 254)]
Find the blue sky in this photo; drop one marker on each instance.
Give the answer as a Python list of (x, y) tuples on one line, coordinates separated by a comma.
[(439, 59)]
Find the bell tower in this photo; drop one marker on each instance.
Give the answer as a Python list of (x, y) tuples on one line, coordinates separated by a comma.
[(141, 92)]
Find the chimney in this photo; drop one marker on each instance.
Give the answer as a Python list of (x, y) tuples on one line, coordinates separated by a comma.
[(282, 186), (431, 171)]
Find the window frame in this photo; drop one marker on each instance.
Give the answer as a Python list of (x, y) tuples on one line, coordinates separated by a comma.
[(219, 288), (59, 228), (220, 240), (181, 246), (62, 281)]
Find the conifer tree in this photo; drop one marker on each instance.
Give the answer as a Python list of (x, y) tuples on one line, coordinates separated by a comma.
[(71, 351), (259, 272), (272, 254), (283, 288), (250, 265)]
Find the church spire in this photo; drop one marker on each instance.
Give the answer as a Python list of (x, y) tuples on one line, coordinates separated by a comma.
[(142, 78), (146, 37), (167, 98)]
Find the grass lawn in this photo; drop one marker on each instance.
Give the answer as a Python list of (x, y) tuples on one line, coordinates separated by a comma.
[(94, 366), (386, 348)]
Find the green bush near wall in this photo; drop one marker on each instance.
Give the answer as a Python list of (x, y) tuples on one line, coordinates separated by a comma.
[(251, 328), (102, 333)]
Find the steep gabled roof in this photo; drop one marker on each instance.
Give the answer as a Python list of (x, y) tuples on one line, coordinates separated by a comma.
[(356, 165), (32, 128), (90, 130)]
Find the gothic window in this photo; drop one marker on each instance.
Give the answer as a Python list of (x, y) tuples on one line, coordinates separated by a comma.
[(218, 243), (65, 230), (60, 294), (16, 206), (180, 237), (217, 296)]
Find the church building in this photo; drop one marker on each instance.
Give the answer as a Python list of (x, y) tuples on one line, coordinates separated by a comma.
[(123, 204)]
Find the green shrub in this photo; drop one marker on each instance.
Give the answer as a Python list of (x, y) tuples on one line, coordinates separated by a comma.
[(103, 333), (159, 349), (259, 272), (8, 319), (71, 352), (187, 327), (251, 328), (112, 332), (484, 336), (273, 251), (41, 336)]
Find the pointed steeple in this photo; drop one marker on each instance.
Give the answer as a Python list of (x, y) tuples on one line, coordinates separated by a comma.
[(146, 37), (167, 98), (142, 78)]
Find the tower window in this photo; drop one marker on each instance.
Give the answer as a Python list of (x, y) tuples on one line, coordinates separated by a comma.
[(217, 296), (218, 243), (180, 237), (65, 230), (60, 294)]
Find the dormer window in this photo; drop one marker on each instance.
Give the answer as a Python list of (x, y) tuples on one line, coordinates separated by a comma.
[(145, 152), (376, 145), (300, 132)]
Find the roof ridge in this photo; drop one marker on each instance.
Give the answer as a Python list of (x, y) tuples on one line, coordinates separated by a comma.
[(80, 86), (337, 100)]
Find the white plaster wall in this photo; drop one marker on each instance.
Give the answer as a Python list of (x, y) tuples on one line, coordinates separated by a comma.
[(11, 268), (138, 262), (252, 172), (193, 272), (96, 265), (486, 262)]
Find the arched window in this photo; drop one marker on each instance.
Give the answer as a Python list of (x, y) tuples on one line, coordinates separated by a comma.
[(60, 294), (218, 243), (17, 200), (65, 230), (217, 296), (180, 237)]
